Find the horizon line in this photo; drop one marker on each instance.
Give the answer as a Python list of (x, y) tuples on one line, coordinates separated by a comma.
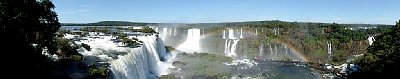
[(221, 22)]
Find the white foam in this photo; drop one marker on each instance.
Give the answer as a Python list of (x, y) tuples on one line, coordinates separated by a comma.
[(244, 63), (371, 39), (137, 63), (192, 42)]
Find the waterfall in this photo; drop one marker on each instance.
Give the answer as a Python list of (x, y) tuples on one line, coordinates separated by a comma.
[(241, 33), (261, 47), (276, 50), (229, 51), (174, 31), (169, 31), (149, 60), (233, 49), (164, 33), (329, 49), (286, 50), (192, 42), (270, 49), (230, 47), (231, 43), (223, 34), (262, 30), (202, 32), (278, 31), (256, 32), (231, 34), (237, 32), (143, 62), (371, 39), (226, 49), (274, 31), (122, 68), (156, 29)]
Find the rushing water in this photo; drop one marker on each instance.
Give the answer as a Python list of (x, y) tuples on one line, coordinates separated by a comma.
[(149, 60), (253, 57), (371, 39), (232, 42), (249, 54)]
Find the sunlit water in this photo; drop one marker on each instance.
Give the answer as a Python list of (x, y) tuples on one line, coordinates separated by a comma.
[(252, 58)]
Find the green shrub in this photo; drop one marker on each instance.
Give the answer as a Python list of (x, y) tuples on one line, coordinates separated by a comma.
[(98, 71), (129, 41), (76, 57), (87, 47)]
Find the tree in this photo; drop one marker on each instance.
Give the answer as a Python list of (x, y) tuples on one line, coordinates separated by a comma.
[(338, 31), (383, 57), (22, 23), (96, 72)]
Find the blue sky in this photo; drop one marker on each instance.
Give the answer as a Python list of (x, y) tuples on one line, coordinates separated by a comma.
[(205, 11)]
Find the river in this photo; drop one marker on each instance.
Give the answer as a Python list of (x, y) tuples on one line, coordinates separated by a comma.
[(253, 56)]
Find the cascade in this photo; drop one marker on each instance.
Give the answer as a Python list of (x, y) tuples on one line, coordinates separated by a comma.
[(174, 31), (202, 32), (234, 46), (231, 43), (231, 34), (237, 32), (276, 50), (147, 61), (156, 29), (329, 49), (286, 50), (192, 42), (278, 31), (262, 30), (169, 31), (371, 39), (226, 47), (256, 32), (223, 34), (261, 47), (164, 33), (270, 49), (241, 33)]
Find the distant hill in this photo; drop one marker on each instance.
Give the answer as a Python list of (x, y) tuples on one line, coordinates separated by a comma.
[(108, 23), (246, 23)]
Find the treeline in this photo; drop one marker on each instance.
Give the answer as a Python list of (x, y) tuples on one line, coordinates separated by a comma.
[(383, 57), (312, 39), (275, 22), (108, 23), (223, 24)]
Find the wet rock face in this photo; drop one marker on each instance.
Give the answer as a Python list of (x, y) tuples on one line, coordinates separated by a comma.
[(178, 63)]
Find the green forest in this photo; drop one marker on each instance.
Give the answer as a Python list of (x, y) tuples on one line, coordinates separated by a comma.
[(382, 58)]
